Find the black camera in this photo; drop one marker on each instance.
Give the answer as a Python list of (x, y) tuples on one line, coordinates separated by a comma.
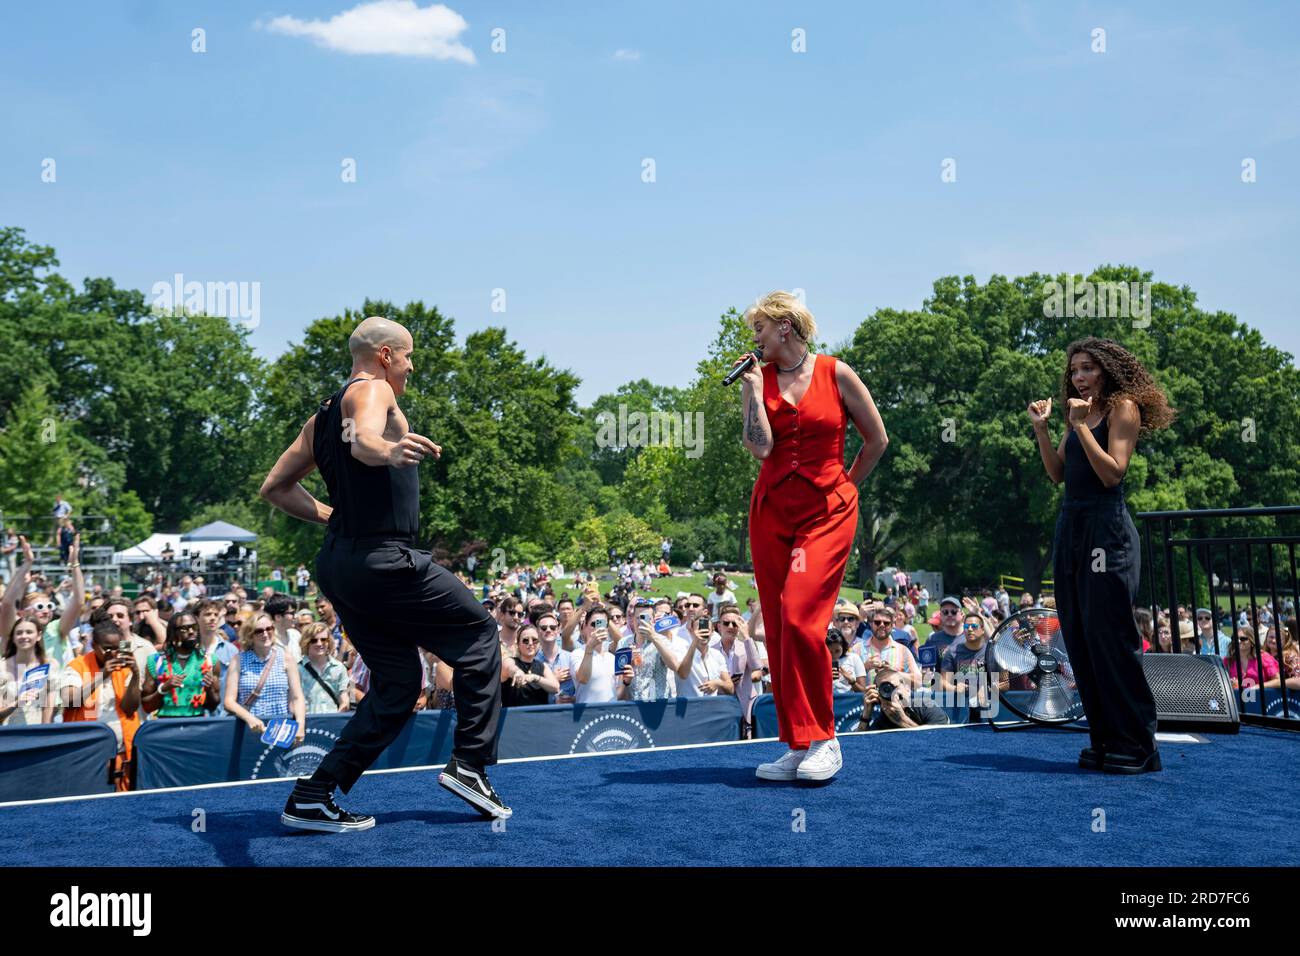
[(886, 689)]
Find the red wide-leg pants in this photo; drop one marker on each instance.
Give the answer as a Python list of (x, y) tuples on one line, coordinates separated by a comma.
[(800, 536)]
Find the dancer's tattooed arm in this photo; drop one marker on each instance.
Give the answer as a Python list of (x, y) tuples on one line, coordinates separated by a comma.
[(757, 434), (753, 430)]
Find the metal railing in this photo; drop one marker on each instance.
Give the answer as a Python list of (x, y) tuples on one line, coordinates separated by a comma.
[(1222, 567)]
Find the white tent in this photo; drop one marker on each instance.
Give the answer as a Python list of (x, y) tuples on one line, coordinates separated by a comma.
[(149, 551)]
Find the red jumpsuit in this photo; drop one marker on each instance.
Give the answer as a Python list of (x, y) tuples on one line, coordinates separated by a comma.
[(802, 518)]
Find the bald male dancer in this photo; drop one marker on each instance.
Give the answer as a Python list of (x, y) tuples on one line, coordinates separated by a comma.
[(391, 597)]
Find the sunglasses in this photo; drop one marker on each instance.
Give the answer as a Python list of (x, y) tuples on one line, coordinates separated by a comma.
[(617, 617), (949, 610), (41, 606), (516, 613), (548, 627), (319, 640), (529, 640), (695, 605), (187, 627), (263, 630), (845, 619)]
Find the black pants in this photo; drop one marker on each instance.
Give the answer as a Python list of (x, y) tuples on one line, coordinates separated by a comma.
[(393, 599), (1096, 564)]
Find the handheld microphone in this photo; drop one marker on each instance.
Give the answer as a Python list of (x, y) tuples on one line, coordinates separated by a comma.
[(744, 366)]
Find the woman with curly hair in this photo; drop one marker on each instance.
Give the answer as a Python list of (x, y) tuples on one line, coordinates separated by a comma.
[(1109, 401)]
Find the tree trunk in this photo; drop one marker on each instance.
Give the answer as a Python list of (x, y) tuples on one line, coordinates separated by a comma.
[(1032, 564)]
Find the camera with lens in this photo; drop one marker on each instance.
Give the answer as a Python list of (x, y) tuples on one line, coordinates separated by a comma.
[(886, 690)]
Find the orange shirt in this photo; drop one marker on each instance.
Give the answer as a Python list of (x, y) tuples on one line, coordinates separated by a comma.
[(87, 666)]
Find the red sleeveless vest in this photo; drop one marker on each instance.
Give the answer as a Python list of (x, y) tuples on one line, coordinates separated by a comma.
[(808, 439)]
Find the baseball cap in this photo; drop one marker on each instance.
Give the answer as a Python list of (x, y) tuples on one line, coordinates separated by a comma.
[(950, 600)]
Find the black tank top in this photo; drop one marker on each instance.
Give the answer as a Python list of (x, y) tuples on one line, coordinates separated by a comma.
[(368, 500), (1081, 480), (512, 696)]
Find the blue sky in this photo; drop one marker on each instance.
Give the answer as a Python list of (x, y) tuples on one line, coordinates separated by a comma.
[(522, 170)]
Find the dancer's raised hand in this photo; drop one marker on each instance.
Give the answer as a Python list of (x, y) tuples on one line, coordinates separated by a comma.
[(1040, 412), (1079, 410)]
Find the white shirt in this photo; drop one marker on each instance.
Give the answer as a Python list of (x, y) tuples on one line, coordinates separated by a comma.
[(599, 688), (304, 576), (716, 600), (292, 648), (852, 663), (704, 667)]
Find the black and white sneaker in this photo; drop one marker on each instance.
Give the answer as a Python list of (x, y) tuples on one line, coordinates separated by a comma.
[(472, 786), (311, 806)]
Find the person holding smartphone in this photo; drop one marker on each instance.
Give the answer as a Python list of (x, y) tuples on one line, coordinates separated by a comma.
[(654, 661), (592, 661), (703, 671), (104, 685)]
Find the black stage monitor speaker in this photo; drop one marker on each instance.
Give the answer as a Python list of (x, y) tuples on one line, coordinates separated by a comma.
[(1192, 692)]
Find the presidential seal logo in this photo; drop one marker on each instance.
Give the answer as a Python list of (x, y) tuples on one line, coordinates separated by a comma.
[(611, 732), (849, 722), (1275, 708), (301, 761)]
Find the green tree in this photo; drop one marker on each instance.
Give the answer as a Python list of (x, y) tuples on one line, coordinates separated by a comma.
[(952, 381), (37, 460)]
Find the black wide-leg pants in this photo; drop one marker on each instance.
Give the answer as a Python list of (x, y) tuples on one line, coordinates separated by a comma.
[(1096, 563), (392, 600)]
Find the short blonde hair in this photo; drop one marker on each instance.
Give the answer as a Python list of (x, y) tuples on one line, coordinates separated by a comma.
[(312, 630), (781, 306)]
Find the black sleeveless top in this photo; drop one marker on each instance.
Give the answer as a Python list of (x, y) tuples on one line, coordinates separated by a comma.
[(368, 500), (1081, 480), (512, 696)]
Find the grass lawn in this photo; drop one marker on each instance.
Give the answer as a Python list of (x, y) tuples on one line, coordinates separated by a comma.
[(744, 590)]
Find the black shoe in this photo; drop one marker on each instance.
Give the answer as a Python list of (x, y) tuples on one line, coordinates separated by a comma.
[(311, 806), (1130, 764), (1090, 758), (471, 785)]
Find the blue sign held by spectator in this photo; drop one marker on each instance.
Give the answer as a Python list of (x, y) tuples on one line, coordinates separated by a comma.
[(280, 732), (666, 623), (34, 678)]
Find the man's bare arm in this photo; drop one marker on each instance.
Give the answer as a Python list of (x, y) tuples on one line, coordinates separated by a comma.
[(366, 408), (282, 486)]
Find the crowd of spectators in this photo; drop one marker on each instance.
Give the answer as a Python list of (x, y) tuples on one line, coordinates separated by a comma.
[(70, 653)]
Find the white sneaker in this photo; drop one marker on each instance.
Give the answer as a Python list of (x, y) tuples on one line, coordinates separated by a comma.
[(823, 761), (783, 769)]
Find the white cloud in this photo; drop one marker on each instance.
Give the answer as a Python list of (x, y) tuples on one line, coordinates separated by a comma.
[(395, 27), (630, 55)]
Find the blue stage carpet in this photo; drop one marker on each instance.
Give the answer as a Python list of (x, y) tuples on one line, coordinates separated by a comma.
[(951, 796)]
